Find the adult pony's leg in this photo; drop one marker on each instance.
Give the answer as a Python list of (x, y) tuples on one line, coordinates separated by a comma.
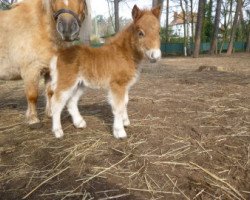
[(31, 84), (48, 94), (72, 106), (118, 104)]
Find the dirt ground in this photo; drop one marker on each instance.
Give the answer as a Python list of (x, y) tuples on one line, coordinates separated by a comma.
[(189, 139)]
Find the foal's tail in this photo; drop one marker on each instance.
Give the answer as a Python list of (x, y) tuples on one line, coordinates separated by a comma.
[(53, 72)]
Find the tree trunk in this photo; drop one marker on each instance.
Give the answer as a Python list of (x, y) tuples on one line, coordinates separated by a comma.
[(199, 28), (234, 28), (167, 21), (192, 19), (86, 27), (248, 42), (184, 25), (187, 25), (157, 2), (213, 48), (116, 8)]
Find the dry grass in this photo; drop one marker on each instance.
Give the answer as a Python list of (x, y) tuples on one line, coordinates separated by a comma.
[(189, 139)]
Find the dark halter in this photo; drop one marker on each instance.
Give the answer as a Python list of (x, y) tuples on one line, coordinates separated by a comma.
[(61, 11)]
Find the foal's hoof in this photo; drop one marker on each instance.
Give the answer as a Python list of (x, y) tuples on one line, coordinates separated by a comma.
[(58, 133), (126, 122), (81, 124), (120, 134)]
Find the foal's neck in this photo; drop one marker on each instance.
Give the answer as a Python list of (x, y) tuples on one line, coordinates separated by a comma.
[(125, 41)]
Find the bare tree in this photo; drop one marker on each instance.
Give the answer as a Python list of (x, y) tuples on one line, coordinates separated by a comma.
[(248, 29), (192, 18), (213, 48), (184, 24), (234, 27), (187, 19), (116, 9), (199, 28), (248, 41), (167, 20)]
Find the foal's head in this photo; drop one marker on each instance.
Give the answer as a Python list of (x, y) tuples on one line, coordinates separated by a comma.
[(68, 15), (147, 29)]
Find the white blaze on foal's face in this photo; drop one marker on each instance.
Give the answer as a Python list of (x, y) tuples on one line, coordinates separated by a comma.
[(153, 54)]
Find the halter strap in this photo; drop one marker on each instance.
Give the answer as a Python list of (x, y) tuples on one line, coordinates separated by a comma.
[(61, 11)]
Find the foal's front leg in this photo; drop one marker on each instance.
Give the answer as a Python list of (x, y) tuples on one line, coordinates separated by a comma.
[(126, 121), (118, 104), (58, 101)]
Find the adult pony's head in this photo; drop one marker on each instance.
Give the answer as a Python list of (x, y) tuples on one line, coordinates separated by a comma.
[(68, 15), (147, 29)]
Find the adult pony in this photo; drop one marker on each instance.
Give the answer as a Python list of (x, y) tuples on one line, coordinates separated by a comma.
[(114, 67), (30, 33)]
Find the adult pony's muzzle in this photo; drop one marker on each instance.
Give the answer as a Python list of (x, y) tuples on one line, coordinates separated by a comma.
[(153, 55), (67, 24)]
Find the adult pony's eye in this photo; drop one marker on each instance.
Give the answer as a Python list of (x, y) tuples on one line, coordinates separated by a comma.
[(141, 33)]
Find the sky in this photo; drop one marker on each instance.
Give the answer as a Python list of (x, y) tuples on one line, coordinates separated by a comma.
[(100, 7)]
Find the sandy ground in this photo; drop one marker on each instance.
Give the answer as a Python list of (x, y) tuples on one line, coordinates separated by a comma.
[(189, 139)]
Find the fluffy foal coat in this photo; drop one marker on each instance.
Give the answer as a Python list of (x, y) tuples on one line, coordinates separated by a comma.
[(113, 67), (28, 40)]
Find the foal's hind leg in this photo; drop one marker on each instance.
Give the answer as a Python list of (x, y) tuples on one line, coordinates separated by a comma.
[(72, 106), (118, 104)]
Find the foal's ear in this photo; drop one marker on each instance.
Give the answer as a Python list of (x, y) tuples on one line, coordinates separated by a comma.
[(136, 12), (157, 11)]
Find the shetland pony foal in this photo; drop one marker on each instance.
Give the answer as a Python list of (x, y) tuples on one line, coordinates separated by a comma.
[(113, 67)]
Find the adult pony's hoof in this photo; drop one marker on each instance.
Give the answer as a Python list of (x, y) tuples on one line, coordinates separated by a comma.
[(34, 123), (48, 112)]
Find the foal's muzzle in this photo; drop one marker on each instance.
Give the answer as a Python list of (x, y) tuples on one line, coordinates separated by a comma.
[(153, 55), (67, 24)]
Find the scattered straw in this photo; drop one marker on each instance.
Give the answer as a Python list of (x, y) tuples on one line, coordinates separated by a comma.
[(177, 187), (115, 197), (96, 175), (45, 181), (218, 179), (153, 191)]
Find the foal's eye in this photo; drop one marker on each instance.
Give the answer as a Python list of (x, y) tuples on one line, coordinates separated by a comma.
[(141, 33)]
